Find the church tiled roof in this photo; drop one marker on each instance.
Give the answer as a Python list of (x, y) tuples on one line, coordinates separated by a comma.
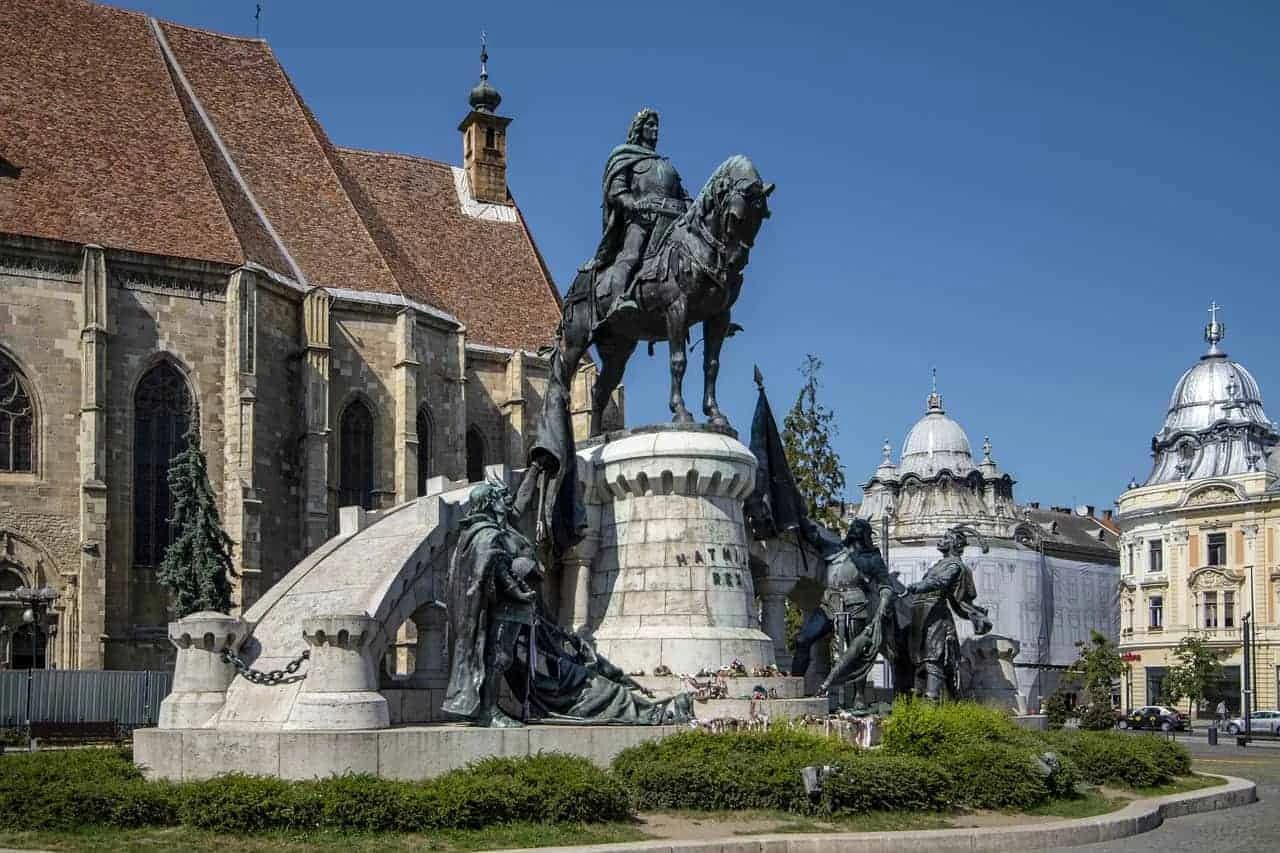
[(169, 140)]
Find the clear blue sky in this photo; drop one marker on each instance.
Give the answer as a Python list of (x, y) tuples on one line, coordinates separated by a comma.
[(1041, 202)]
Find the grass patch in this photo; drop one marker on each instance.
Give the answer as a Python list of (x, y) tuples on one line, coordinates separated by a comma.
[(181, 839), (1181, 785), (1090, 803)]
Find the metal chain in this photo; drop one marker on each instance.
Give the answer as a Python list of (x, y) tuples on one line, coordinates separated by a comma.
[(288, 675)]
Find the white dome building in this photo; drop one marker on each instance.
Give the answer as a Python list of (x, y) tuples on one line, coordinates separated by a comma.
[(1199, 538)]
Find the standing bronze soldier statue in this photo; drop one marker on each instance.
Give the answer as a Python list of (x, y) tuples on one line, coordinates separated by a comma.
[(491, 605), (642, 197), (947, 587), (859, 607)]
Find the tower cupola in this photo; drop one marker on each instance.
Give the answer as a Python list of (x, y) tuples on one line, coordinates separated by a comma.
[(484, 139)]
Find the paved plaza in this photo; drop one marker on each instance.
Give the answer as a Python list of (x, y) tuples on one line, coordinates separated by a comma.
[(1248, 828)]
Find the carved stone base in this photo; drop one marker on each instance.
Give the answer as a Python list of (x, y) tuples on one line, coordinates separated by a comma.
[(670, 583)]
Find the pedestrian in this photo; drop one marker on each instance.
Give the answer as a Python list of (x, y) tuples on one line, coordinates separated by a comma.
[(1222, 713)]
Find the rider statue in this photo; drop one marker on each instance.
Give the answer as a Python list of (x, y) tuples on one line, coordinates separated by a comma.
[(946, 587), (642, 198), (859, 606)]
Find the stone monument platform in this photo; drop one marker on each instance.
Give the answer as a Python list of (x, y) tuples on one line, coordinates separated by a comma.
[(786, 699), (402, 752)]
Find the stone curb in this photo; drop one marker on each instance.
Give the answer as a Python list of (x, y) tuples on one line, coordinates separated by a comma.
[(1137, 817)]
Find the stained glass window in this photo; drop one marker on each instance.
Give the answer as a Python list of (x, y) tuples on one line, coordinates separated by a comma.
[(424, 450), (355, 486), (17, 421), (162, 414)]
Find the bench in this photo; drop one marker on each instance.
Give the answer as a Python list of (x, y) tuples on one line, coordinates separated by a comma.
[(85, 731)]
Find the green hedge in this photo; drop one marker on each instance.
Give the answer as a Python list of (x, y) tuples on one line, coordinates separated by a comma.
[(75, 788), (877, 781), (995, 763), (1136, 761), (736, 770)]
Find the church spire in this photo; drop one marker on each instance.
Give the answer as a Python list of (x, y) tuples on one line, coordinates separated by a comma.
[(484, 97), (484, 138)]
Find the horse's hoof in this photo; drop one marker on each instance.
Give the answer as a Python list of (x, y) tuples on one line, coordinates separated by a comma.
[(718, 420), (682, 418)]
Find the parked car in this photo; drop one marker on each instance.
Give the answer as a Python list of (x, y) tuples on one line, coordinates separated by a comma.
[(1263, 722), (1159, 717)]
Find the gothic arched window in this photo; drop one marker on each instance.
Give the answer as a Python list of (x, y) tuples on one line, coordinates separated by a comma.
[(17, 421), (162, 414), (475, 456), (355, 481), (424, 449)]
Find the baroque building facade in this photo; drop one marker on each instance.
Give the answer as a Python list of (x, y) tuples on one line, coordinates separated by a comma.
[(182, 246), (1198, 548), (1049, 578)]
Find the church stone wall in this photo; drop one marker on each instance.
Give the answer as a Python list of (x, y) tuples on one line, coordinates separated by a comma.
[(278, 431), (364, 355), (112, 613), (487, 392), (40, 331), (146, 327), (438, 390)]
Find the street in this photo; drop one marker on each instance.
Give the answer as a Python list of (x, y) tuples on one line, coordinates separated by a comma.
[(1249, 828)]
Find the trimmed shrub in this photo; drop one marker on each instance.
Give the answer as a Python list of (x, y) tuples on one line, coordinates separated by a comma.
[(930, 730), (82, 787), (1170, 756), (237, 803), (877, 781), (996, 776), (1112, 758), (736, 770)]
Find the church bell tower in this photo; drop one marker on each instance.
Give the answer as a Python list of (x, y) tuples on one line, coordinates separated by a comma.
[(484, 140)]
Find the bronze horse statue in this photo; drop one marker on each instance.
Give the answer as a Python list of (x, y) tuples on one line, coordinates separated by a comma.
[(691, 276)]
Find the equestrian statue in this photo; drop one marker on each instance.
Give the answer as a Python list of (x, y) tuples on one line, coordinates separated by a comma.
[(665, 262)]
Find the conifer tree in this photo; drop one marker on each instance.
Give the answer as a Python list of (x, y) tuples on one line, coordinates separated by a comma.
[(806, 438), (197, 565)]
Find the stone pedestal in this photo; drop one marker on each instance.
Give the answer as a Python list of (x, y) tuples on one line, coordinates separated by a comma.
[(340, 692), (200, 676), (671, 583)]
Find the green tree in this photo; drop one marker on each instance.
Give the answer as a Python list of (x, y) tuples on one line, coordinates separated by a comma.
[(197, 565), (1098, 665), (1197, 667), (807, 432)]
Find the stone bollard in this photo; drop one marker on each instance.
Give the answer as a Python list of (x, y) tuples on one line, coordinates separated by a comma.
[(200, 676), (340, 692)]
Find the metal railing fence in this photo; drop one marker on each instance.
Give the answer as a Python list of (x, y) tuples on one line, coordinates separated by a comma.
[(130, 698)]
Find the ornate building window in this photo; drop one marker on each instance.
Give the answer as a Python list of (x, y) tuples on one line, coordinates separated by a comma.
[(1156, 561), (424, 450), (17, 421), (355, 482), (1131, 565), (1217, 555), (1155, 612), (475, 456), (162, 414), (1228, 608), (1209, 609)]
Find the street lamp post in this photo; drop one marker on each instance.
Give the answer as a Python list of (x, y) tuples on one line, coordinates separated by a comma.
[(37, 603)]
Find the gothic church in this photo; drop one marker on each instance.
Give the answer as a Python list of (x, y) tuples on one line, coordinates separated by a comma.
[(181, 244)]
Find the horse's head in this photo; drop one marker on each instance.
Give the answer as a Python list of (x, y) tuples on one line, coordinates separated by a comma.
[(733, 205)]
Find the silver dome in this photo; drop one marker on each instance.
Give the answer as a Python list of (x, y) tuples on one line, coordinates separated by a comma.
[(1215, 425), (936, 442), (1216, 389)]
